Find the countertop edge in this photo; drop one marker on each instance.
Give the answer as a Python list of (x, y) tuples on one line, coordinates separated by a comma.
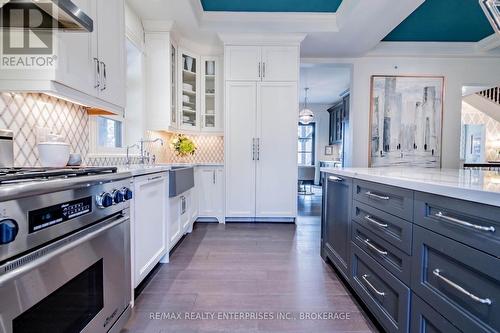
[(468, 194)]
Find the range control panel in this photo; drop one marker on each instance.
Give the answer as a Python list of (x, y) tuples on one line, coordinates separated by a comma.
[(46, 217)]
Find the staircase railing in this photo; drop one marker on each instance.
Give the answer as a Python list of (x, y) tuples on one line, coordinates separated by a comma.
[(493, 94)]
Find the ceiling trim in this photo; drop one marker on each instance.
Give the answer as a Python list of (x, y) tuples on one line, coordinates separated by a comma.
[(429, 49), (489, 43), (264, 21), (261, 38)]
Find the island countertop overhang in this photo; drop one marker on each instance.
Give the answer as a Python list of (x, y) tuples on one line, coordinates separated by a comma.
[(471, 185)]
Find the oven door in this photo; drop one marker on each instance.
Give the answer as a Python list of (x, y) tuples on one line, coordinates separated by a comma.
[(78, 284)]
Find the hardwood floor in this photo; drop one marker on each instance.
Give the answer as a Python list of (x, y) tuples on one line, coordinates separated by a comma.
[(253, 269)]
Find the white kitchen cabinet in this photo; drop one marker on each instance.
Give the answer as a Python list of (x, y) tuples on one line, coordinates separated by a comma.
[(242, 63), (182, 213), (210, 191), (261, 165), (174, 221), (90, 66), (149, 223), (261, 63), (77, 54), (189, 90), (276, 165), (210, 110), (111, 50), (161, 97), (280, 63), (240, 110)]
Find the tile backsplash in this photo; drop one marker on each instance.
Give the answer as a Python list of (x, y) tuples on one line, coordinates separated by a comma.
[(24, 113), (210, 148)]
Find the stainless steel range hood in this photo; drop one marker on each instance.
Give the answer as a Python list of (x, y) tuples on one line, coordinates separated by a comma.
[(55, 14)]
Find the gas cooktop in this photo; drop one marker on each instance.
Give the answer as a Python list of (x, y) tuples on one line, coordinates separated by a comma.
[(17, 175)]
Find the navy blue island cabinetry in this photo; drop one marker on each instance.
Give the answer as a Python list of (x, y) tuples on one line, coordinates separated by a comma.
[(421, 255)]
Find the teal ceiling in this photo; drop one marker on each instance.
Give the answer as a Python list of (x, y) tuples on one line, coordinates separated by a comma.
[(314, 6), (443, 21)]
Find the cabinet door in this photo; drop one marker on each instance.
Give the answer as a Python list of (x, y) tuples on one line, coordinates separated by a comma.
[(210, 111), (111, 50), (276, 182), (337, 223), (240, 108), (186, 211), (243, 63), (280, 63), (149, 224), (77, 67), (210, 192), (174, 222), (189, 99)]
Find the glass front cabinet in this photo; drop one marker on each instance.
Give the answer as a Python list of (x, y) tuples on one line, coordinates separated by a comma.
[(198, 93)]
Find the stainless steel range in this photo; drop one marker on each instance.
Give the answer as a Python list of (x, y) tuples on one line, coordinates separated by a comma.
[(64, 250)]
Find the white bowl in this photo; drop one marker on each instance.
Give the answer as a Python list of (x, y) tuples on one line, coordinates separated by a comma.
[(53, 154), (185, 98), (187, 87)]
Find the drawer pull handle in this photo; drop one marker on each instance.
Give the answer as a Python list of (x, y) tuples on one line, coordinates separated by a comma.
[(377, 223), (365, 277), (437, 273), (373, 247), (335, 179), (376, 196), (440, 215)]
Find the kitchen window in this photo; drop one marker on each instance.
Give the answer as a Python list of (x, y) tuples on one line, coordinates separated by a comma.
[(109, 132), (306, 151)]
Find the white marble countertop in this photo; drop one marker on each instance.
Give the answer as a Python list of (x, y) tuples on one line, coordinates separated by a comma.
[(472, 185), (141, 169)]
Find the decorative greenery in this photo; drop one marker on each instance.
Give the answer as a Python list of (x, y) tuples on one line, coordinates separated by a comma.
[(183, 146)]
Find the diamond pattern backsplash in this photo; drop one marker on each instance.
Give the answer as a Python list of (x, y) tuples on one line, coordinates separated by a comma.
[(25, 113), (210, 148), (473, 116)]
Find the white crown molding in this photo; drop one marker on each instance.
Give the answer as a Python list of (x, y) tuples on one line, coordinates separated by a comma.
[(262, 38), (428, 49), (158, 25), (489, 43)]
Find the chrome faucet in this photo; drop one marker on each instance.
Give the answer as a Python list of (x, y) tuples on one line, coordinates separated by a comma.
[(142, 142), (128, 150)]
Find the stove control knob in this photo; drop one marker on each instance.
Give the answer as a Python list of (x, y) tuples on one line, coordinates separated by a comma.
[(8, 231), (127, 193), (104, 200), (118, 196)]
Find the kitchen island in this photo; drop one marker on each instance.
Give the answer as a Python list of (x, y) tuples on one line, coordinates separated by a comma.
[(420, 247)]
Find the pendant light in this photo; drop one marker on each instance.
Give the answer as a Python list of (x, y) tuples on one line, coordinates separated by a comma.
[(306, 116)]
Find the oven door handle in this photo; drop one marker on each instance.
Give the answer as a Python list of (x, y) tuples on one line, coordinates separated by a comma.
[(60, 250)]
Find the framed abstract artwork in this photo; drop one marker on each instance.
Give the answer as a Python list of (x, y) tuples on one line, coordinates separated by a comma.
[(406, 115)]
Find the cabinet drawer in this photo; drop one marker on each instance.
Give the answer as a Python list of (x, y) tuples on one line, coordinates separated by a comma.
[(471, 223), (394, 230), (393, 200), (425, 319), (386, 296), (463, 283), (394, 260)]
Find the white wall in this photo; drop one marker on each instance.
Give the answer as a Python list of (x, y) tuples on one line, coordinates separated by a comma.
[(457, 72)]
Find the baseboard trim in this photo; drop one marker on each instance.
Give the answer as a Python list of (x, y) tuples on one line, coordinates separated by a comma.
[(261, 219)]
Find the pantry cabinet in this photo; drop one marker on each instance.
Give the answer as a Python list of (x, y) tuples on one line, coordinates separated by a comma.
[(255, 187), (261, 63)]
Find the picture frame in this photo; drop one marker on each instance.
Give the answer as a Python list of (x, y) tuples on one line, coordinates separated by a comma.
[(328, 150), (405, 122)]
